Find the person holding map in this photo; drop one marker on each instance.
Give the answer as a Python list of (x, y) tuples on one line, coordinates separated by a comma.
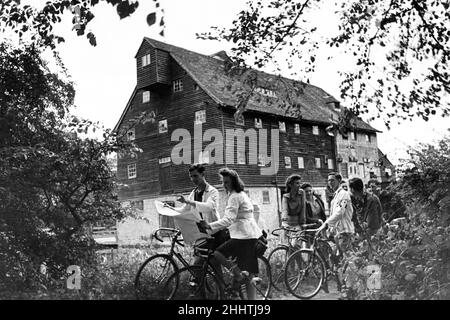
[(204, 199), (237, 254)]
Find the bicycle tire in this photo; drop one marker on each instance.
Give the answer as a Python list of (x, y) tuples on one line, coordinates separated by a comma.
[(265, 273), (150, 283), (277, 260), (195, 283), (312, 269)]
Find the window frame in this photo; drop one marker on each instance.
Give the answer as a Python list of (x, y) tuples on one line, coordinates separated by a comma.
[(302, 162), (297, 130), (265, 197), (287, 162), (132, 130), (282, 126), (258, 123), (315, 130), (320, 162), (144, 94), (177, 85), (159, 126), (131, 165), (200, 119), (146, 60)]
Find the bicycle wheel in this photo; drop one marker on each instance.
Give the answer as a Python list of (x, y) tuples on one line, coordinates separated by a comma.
[(277, 261), (194, 283), (264, 285), (304, 273), (326, 253), (151, 279)]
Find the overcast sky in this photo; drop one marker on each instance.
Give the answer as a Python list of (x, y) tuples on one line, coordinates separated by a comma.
[(105, 75)]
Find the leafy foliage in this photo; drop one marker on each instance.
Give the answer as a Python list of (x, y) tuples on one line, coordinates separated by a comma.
[(401, 50), (54, 184), (415, 254), (26, 20)]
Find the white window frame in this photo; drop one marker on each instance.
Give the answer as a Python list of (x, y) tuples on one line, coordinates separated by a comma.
[(297, 128), (282, 126), (132, 171), (146, 60), (301, 162), (241, 157), (261, 160), (164, 160), (200, 116), (330, 164), (287, 162), (177, 85), (203, 157), (315, 130), (258, 123), (145, 96), (318, 162), (353, 135), (368, 138), (160, 126), (131, 134)]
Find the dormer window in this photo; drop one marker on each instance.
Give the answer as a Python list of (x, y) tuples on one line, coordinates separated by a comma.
[(178, 85), (266, 92), (146, 60), (131, 134), (145, 96)]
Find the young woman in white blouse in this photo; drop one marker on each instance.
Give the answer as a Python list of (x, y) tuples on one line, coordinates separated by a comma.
[(244, 232)]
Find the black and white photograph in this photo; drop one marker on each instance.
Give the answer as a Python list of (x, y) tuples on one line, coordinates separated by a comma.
[(216, 150)]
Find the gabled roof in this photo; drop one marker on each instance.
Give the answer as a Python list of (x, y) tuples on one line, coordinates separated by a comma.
[(209, 73)]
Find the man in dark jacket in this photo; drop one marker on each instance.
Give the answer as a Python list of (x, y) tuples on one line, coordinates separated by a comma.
[(315, 208), (367, 216)]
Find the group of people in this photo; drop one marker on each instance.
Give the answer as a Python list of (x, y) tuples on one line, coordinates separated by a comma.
[(236, 233)]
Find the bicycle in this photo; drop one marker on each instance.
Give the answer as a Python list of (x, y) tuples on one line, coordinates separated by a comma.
[(150, 282), (199, 282), (305, 270), (278, 256)]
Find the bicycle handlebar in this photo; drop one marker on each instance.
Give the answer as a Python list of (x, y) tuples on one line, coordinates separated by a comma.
[(176, 231)]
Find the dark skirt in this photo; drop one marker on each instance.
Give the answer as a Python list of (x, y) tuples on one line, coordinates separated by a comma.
[(244, 251)]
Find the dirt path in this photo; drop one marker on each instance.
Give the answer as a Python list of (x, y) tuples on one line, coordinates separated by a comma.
[(332, 295)]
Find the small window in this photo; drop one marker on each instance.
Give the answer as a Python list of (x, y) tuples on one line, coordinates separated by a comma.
[(131, 134), (240, 120), (164, 160), (330, 164), (297, 128), (345, 136), (266, 197), (368, 138), (196, 87), (301, 163), (258, 123), (241, 157), (203, 157), (146, 60), (287, 162), (163, 126), (200, 117), (145, 96), (318, 163), (178, 85), (315, 130), (353, 135), (261, 160), (132, 171), (282, 126)]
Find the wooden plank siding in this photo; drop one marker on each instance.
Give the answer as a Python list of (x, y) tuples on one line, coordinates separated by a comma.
[(179, 109), (305, 145), (157, 72)]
